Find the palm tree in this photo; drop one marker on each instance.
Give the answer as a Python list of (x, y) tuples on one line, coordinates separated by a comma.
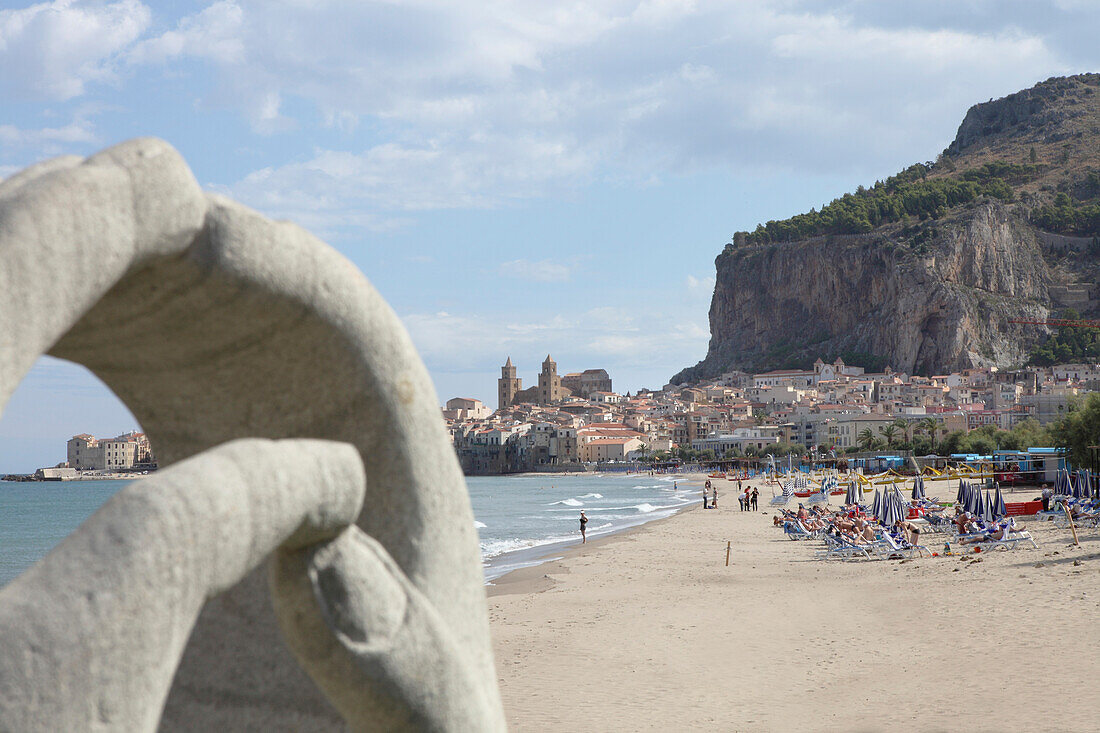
[(866, 439), (904, 426), (930, 426), (889, 432)]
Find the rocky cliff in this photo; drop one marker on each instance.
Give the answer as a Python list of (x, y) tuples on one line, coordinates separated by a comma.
[(928, 293)]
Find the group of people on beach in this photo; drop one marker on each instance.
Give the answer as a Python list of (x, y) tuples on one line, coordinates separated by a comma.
[(746, 497), (848, 522)]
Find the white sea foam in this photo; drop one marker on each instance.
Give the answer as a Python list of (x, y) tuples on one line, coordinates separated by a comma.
[(568, 502), (645, 508), (493, 548), (590, 496), (479, 525)]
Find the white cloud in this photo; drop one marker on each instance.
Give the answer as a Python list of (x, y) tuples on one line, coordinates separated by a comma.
[(214, 33), (52, 50), (700, 286), (478, 104), (649, 341), (48, 139), (544, 271)]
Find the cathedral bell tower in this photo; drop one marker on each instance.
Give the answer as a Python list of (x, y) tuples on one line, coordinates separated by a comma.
[(507, 385)]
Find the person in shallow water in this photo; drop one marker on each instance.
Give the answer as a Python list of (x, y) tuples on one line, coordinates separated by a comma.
[(584, 521)]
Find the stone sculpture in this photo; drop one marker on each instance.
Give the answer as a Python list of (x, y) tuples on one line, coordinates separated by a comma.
[(214, 324)]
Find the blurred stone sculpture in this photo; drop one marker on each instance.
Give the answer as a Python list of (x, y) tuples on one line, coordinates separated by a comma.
[(214, 324)]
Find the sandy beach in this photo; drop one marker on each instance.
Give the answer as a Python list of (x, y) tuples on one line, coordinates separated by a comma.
[(649, 630)]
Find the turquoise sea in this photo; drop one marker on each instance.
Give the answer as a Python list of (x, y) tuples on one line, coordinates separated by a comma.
[(521, 520)]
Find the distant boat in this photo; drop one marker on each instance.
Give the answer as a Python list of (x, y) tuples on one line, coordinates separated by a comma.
[(716, 475)]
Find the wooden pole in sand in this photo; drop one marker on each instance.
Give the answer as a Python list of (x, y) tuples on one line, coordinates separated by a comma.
[(1072, 526), (727, 553)]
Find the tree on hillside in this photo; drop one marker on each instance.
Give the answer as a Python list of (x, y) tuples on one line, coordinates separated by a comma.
[(1078, 430), (904, 426)]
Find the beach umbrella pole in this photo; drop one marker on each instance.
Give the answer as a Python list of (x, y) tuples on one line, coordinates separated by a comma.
[(1072, 526)]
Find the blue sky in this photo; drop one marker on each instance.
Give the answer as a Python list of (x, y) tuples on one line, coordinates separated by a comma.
[(516, 178)]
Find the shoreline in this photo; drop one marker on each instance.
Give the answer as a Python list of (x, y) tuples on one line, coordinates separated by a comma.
[(534, 557), (648, 629)]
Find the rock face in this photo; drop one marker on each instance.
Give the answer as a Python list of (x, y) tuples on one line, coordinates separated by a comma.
[(783, 304), (939, 303), (1039, 114)]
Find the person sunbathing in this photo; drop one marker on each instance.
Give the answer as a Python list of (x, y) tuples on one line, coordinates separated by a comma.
[(844, 524), (961, 519), (994, 532)]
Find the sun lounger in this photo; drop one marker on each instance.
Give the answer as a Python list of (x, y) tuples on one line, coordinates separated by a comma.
[(838, 547), (1012, 537), (796, 530), (900, 546)]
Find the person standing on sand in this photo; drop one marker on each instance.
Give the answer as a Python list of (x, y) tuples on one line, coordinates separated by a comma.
[(714, 497), (705, 487), (584, 521), (755, 494)]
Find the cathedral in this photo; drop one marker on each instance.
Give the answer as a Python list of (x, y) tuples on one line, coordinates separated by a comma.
[(552, 388)]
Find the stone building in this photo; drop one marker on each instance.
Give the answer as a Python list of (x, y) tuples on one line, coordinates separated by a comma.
[(550, 390), (508, 385), (88, 453), (583, 384)]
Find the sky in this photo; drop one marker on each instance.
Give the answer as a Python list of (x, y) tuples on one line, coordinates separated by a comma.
[(516, 178)]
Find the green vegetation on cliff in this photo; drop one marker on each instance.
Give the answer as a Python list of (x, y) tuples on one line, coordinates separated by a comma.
[(1068, 345), (910, 193), (1066, 215)]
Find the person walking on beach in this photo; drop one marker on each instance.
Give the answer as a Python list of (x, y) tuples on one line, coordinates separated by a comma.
[(714, 498), (755, 494), (584, 521)]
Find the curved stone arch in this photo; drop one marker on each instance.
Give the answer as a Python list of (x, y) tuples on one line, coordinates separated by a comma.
[(212, 323)]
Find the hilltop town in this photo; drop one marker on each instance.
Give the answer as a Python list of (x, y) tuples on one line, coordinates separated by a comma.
[(577, 422)]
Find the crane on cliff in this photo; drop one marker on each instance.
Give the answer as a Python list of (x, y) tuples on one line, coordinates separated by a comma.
[(1058, 322)]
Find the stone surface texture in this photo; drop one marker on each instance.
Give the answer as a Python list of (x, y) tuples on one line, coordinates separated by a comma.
[(946, 310), (212, 323)]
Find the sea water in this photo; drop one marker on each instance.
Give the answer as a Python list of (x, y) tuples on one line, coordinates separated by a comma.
[(521, 520), (524, 519)]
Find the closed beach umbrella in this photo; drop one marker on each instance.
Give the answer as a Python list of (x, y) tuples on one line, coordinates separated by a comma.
[(987, 507), (850, 494), (875, 504), (975, 500), (999, 509), (960, 498), (918, 488), (895, 508)]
